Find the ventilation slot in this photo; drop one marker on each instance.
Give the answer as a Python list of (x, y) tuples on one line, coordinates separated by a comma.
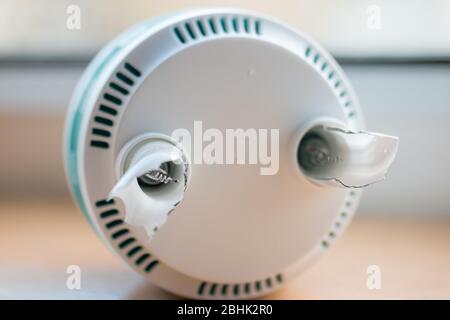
[(196, 29), (133, 251), (126, 243), (132, 69), (114, 223), (246, 25), (109, 213), (212, 25), (330, 75), (236, 290), (99, 144), (122, 88), (179, 35), (124, 79), (105, 121), (104, 202), (142, 258), (119, 233), (316, 58), (151, 265), (201, 27), (118, 88), (332, 233), (190, 31), (258, 285), (224, 24), (113, 99), (201, 288), (108, 110), (258, 27), (279, 278), (235, 23), (224, 289), (307, 52), (101, 132), (212, 290)]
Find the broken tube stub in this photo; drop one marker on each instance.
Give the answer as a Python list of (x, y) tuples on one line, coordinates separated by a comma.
[(336, 156), (153, 175)]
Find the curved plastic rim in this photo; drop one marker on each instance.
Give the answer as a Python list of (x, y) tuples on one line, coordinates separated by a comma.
[(100, 66)]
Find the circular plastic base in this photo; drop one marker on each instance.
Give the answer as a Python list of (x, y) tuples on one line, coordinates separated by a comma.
[(238, 233)]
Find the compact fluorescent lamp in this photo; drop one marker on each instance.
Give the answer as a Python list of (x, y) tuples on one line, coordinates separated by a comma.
[(234, 233)]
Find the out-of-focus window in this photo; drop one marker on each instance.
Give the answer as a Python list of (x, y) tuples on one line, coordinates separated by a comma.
[(349, 28)]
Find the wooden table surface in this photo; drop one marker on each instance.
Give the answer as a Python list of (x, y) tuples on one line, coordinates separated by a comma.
[(38, 240)]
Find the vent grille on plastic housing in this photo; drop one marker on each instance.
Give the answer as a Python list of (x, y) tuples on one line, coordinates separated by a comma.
[(108, 108), (207, 27), (330, 75), (340, 220), (121, 236), (238, 289)]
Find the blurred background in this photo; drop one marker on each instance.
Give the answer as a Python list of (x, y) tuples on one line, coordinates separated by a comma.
[(395, 53)]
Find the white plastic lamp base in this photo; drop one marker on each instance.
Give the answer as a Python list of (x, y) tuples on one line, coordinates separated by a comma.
[(236, 234)]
